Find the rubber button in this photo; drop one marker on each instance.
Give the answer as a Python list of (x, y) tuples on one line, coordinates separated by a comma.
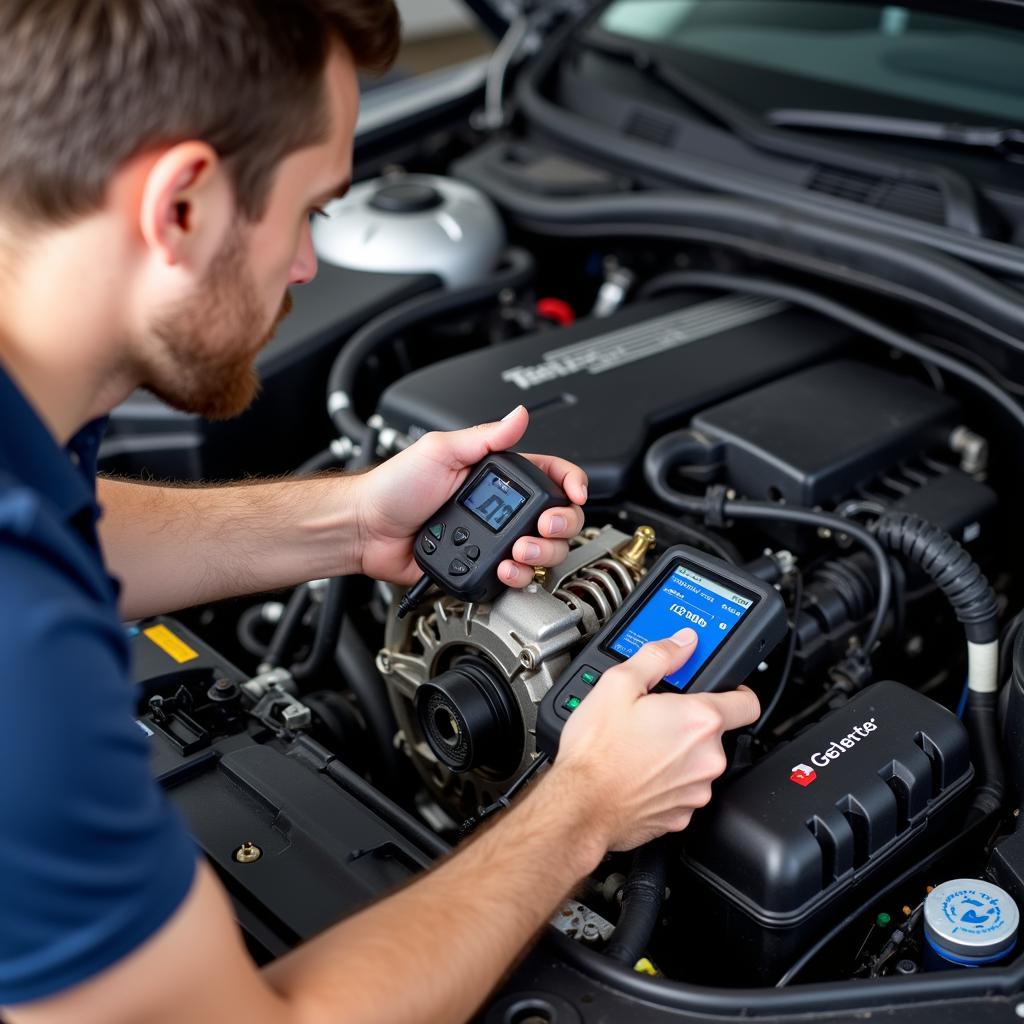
[(472, 552), (572, 703), (458, 568), (460, 536), (589, 676), (428, 545), (437, 531)]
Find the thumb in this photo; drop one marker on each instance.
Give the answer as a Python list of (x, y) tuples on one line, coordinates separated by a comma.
[(656, 660), (468, 447)]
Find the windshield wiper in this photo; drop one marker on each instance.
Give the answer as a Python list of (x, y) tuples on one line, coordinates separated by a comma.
[(1005, 142)]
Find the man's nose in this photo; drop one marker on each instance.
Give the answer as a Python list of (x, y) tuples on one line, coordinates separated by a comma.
[(305, 266)]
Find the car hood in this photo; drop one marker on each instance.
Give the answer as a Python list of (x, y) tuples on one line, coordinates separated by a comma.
[(495, 15)]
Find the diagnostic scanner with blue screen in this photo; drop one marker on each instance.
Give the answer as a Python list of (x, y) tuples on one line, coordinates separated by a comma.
[(738, 618)]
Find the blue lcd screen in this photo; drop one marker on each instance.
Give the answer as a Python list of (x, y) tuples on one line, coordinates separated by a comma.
[(494, 500), (686, 597)]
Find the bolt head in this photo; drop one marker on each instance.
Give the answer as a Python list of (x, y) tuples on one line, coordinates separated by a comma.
[(248, 853)]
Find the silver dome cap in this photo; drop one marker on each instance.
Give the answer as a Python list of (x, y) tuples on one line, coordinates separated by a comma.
[(413, 224)]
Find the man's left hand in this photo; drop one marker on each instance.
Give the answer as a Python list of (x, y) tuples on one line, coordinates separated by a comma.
[(396, 498)]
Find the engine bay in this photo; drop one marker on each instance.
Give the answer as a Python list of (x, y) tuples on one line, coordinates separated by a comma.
[(839, 425)]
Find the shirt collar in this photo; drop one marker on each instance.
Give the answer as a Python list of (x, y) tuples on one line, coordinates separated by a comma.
[(29, 453)]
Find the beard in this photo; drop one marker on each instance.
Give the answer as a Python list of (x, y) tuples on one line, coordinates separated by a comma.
[(209, 344)]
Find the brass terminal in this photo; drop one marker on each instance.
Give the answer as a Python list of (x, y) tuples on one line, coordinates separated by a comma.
[(540, 574), (247, 853), (633, 554)]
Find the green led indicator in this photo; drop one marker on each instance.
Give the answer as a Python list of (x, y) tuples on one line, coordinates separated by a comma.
[(572, 703), (437, 530), (882, 920), (589, 677)]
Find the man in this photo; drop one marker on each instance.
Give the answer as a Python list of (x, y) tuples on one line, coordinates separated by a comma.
[(159, 162)]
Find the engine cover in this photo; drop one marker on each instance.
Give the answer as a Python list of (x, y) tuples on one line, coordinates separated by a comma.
[(599, 390), (786, 850)]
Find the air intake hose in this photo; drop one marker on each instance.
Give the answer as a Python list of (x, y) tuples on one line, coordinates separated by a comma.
[(966, 588)]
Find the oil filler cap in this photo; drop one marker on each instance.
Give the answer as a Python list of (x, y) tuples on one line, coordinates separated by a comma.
[(970, 923)]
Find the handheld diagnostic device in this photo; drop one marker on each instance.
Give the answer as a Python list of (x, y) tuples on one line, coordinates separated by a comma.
[(464, 542), (738, 618)]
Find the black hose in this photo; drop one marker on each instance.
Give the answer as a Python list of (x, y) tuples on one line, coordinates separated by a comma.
[(327, 459), (676, 529), (981, 720), (642, 898), (950, 567), (249, 624), (291, 619), (359, 670), (973, 600), (852, 318), (332, 612), (516, 272), (715, 507)]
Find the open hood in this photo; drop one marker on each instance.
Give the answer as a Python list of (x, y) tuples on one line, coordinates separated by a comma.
[(494, 15)]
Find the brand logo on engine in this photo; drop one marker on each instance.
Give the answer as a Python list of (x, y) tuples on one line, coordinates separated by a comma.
[(804, 774), (649, 338)]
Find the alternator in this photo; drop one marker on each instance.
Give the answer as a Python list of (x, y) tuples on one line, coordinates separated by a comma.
[(465, 680)]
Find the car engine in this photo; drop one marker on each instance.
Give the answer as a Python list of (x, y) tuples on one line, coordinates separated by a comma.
[(847, 435)]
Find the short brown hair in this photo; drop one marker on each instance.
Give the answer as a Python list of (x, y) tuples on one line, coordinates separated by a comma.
[(85, 85)]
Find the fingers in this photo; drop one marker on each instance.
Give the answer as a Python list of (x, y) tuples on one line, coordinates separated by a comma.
[(737, 708), (461, 448), (531, 551), (566, 474), (656, 660), (512, 574), (561, 523), (535, 551)]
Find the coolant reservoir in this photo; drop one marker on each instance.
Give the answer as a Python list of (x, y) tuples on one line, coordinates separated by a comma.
[(969, 923), (413, 224)]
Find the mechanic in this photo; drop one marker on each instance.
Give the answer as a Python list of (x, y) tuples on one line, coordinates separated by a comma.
[(158, 169)]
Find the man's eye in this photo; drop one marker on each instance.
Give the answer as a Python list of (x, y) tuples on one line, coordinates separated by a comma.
[(317, 211)]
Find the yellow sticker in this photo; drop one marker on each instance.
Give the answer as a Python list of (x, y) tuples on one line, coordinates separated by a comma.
[(171, 644)]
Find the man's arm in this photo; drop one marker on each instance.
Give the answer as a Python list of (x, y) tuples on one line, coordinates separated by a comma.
[(175, 547), (431, 952), (632, 765)]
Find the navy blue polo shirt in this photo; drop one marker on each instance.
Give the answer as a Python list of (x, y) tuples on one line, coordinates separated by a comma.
[(93, 859)]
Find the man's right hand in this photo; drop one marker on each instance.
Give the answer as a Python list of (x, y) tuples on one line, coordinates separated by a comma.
[(648, 759)]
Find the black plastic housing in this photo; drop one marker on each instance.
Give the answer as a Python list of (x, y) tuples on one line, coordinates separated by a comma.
[(781, 856), (865, 420), (329, 842), (600, 390)]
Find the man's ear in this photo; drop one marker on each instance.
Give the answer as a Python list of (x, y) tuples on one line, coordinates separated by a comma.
[(187, 204)]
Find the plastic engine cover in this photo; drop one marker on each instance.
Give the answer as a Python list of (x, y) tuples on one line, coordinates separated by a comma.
[(788, 849)]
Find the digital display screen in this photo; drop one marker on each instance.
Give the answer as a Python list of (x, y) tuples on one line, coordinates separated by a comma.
[(494, 500), (685, 597)]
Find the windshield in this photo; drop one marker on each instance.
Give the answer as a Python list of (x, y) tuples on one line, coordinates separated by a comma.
[(850, 50)]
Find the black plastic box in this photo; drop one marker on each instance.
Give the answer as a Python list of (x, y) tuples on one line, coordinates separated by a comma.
[(598, 392), (813, 437), (825, 821)]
